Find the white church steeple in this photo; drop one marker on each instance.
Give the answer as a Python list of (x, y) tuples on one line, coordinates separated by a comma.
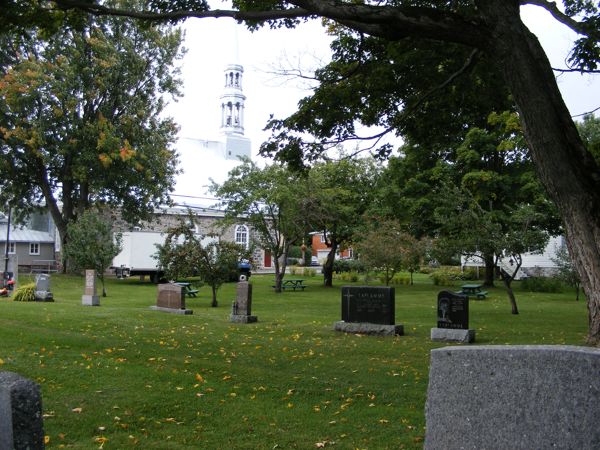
[(232, 101)]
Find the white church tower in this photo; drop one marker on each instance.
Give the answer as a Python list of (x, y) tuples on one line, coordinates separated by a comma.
[(232, 114)]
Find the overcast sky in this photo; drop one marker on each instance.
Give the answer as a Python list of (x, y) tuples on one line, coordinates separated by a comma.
[(214, 43)]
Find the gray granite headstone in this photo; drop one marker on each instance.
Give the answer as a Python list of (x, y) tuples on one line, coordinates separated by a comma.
[(513, 397), (241, 310), (21, 422), (369, 310), (171, 299), (42, 288), (90, 297)]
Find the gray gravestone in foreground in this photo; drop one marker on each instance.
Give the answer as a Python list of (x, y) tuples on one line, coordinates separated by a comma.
[(21, 423), (90, 297), (242, 307), (452, 319), (171, 299), (42, 288), (369, 310), (513, 397)]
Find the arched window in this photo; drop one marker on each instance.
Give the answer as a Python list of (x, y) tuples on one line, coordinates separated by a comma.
[(241, 235)]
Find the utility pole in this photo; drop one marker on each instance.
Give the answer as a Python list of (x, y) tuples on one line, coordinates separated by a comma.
[(6, 249)]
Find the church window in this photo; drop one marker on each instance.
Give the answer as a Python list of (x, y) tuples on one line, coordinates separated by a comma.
[(241, 235)]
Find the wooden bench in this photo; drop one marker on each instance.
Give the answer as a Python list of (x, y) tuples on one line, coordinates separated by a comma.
[(481, 295)]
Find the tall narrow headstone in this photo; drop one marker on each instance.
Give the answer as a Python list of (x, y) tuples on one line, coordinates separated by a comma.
[(21, 422), (241, 309), (90, 297), (171, 298)]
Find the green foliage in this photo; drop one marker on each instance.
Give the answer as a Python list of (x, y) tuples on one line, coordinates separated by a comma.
[(348, 276), (24, 293), (92, 244), (184, 255), (541, 284), (386, 248), (273, 201), (82, 118), (589, 129), (187, 360), (447, 276), (397, 279), (567, 272), (348, 265), (303, 271)]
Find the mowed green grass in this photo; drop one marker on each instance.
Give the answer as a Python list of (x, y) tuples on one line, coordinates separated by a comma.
[(123, 376)]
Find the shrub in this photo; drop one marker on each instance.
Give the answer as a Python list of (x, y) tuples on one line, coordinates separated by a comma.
[(447, 275), (348, 276), (348, 265), (25, 293), (302, 271), (397, 279), (541, 284)]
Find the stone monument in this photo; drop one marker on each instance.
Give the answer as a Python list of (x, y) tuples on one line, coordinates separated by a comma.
[(21, 422), (90, 297), (517, 397), (242, 306), (171, 299), (369, 310), (42, 288), (452, 319)]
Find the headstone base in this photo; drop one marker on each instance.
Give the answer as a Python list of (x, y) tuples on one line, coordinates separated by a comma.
[(373, 329), (172, 310), (90, 300), (452, 335), (240, 318), (43, 296)]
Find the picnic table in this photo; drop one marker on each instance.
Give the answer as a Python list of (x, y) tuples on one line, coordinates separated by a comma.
[(187, 288), (293, 284), (473, 290)]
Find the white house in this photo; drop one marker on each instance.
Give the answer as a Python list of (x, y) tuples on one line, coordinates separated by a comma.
[(534, 264)]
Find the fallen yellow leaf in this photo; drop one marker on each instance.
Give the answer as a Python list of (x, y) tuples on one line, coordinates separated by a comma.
[(77, 410), (199, 378)]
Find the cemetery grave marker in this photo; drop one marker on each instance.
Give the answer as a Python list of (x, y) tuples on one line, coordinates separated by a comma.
[(42, 288), (369, 310), (21, 421), (90, 296), (242, 306), (452, 319), (171, 299), (517, 397)]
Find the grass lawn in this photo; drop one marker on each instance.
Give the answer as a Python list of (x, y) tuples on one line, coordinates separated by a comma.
[(123, 376)]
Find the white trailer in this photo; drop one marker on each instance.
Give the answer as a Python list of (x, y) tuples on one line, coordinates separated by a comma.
[(137, 254)]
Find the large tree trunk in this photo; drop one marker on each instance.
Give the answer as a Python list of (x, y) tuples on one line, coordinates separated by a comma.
[(328, 266), (490, 270), (567, 170)]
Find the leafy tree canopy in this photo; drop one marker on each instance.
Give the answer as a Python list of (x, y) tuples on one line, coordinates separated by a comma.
[(92, 244), (80, 118)]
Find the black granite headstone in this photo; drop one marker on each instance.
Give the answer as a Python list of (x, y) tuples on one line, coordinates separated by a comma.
[(453, 311), (366, 304)]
